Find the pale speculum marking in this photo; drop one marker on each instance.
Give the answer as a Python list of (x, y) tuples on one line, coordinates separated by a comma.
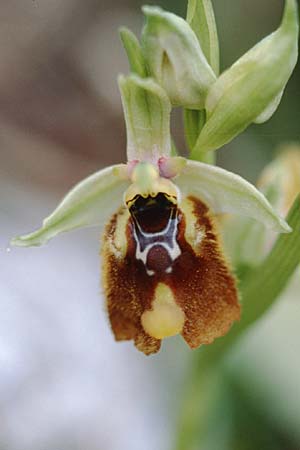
[(155, 223)]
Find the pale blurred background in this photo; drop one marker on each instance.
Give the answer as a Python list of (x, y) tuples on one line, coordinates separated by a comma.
[(64, 383)]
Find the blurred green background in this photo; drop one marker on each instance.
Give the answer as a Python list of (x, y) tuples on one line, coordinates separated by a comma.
[(64, 383)]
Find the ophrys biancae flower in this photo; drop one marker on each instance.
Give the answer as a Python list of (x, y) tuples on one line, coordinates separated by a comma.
[(164, 271)]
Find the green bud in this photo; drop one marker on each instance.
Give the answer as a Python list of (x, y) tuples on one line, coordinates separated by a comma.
[(175, 58), (269, 111), (201, 18), (134, 52), (251, 89)]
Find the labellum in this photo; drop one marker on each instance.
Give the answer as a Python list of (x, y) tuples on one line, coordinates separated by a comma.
[(164, 272)]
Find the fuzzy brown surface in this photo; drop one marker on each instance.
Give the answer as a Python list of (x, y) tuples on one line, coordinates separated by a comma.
[(201, 281)]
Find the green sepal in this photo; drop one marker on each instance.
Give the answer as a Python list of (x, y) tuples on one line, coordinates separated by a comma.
[(147, 112), (201, 17), (134, 52), (270, 109), (175, 58), (224, 192), (243, 92), (90, 203)]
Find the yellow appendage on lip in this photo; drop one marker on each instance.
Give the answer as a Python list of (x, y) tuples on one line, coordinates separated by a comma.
[(166, 318), (147, 182)]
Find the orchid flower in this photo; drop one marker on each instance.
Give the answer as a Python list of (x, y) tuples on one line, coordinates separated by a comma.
[(164, 270)]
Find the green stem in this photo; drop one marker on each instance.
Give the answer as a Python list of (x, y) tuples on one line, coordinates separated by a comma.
[(194, 121), (207, 157)]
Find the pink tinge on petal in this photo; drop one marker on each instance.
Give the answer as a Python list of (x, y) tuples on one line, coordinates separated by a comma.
[(170, 167), (130, 167)]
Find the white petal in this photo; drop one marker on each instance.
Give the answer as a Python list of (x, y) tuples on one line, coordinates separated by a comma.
[(224, 191), (90, 202)]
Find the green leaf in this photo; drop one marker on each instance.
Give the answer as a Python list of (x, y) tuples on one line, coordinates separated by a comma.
[(175, 59), (200, 16), (147, 112), (225, 191), (90, 203), (134, 52), (244, 92)]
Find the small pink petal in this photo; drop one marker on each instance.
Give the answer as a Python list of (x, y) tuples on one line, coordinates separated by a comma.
[(170, 167)]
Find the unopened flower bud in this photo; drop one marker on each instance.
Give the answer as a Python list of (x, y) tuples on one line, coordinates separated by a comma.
[(175, 58), (251, 89)]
